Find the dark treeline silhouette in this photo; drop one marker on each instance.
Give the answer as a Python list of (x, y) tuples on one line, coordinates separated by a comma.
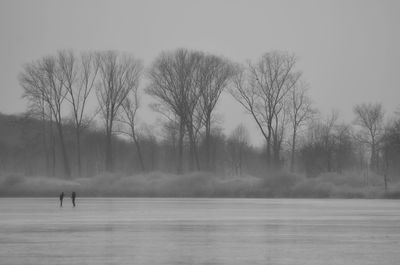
[(83, 120)]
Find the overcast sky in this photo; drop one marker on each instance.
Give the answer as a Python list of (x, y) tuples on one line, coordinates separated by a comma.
[(349, 51)]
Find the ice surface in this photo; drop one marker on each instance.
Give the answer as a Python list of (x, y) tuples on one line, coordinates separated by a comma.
[(199, 231)]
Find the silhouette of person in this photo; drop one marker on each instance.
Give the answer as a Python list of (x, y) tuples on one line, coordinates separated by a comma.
[(73, 196), (61, 198)]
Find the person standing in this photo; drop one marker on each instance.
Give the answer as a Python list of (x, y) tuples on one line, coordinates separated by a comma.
[(73, 196), (61, 198)]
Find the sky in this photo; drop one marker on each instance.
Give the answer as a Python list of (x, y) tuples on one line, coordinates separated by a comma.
[(348, 51)]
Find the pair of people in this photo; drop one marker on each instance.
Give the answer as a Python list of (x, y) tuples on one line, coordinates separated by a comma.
[(73, 196)]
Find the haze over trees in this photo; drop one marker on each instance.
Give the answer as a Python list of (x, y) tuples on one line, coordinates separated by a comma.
[(370, 118), (262, 88), (44, 86), (119, 76), (86, 106), (188, 84), (173, 82), (79, 73)]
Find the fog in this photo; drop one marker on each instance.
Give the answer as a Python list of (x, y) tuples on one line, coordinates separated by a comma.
[(198, 184), (151, 99)]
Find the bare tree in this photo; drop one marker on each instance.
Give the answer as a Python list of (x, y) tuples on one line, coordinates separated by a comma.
[(391, 149), (262, 89), (173, 82), (328, 147), (215, 74), (80, 76), (370, 118), (129, 117), (345, 149), (300, 111), (237, 144), (328, 138), (119, 74), (42, 80), (38, 108)]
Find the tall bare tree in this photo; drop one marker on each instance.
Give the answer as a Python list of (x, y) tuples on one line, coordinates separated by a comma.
[(119, 74), (129, 117), (300, 111), (38, 108), (262, 89), (80, 75), (215, 74), (173, 82), (370, 118), (42, 80)]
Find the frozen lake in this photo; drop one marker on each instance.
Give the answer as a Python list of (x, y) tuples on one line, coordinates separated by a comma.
[(199, 231)]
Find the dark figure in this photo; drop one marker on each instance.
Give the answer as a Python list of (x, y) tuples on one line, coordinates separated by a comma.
[(73, 196), (61, 198)]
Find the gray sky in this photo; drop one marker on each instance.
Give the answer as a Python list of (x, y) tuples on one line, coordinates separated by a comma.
[(349, 51)]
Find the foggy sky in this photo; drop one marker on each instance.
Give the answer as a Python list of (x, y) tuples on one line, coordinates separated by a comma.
[(349, 51)]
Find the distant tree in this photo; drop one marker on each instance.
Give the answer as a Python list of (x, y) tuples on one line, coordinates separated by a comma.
[(170, 133), (318, 152), (370, 118), (38, 109), (80, 74), (328, 138), (237, 145), (300, 111), (119, 74), (43, 80), (262, 89), (150, 148), (345, 149), (173, 83), (129, 117), (214, 76), (391, 150)]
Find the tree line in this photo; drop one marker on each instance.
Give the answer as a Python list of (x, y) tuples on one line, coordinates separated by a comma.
[(186, 86)]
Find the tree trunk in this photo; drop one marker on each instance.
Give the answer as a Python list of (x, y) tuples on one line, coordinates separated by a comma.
[(179, 166), (275, 152), (385, 180), (208, 144), (240, 160), (385, 175), (269, 146), (139, 151), (194, 158), (53, 152), (109, 158), (67, 170), (45, 145), (78, 150), (53, 147), (292, 158), (373, 155)]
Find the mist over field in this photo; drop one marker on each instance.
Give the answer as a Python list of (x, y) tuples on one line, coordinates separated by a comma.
[(200, 184)]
